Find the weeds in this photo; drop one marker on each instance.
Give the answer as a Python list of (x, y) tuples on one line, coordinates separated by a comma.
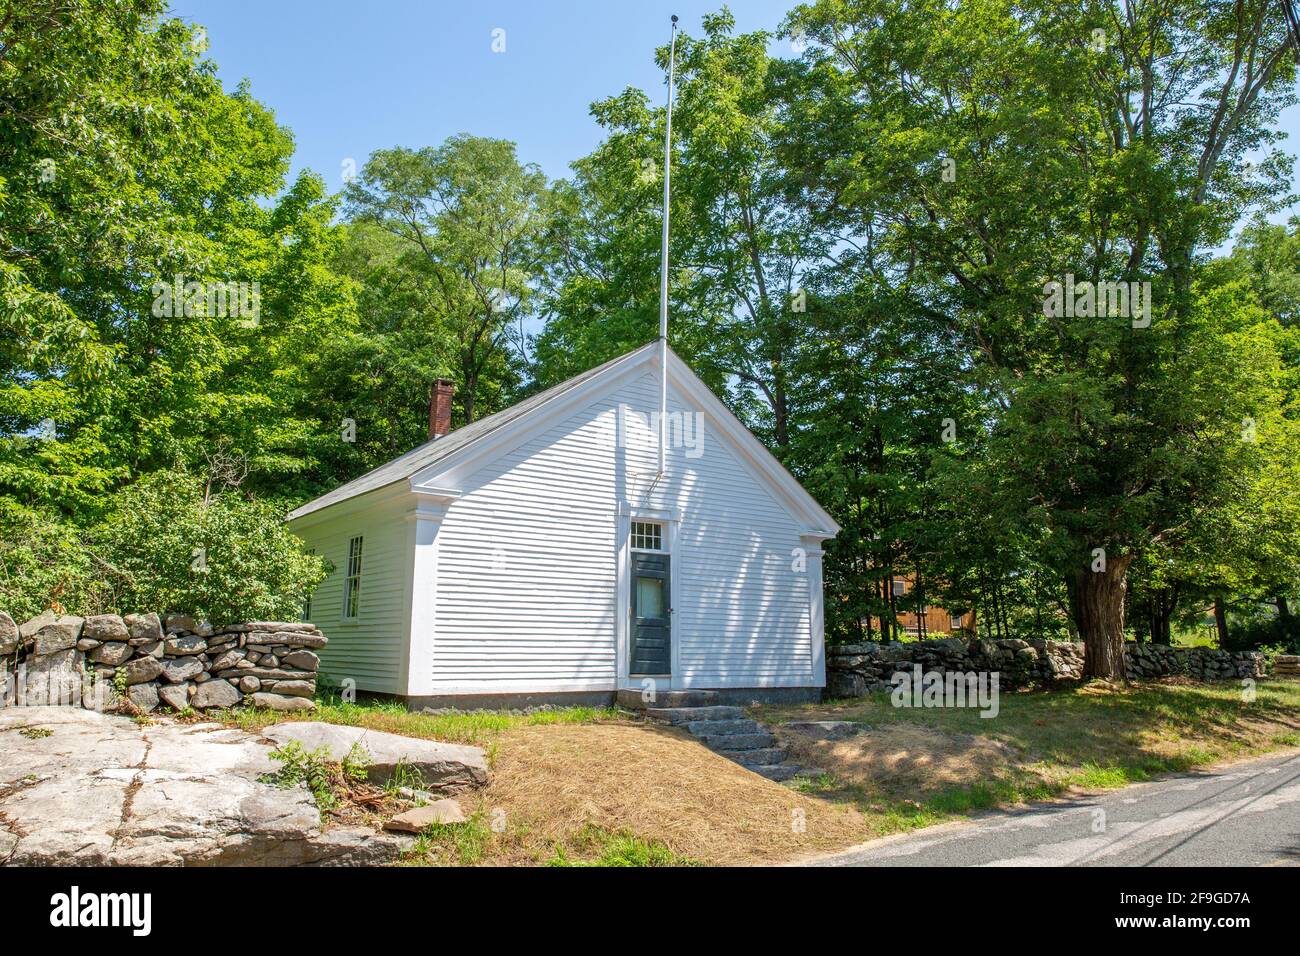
[(461, 843), (300, 766)]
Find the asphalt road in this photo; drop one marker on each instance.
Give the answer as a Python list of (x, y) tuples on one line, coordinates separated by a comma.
[(1245, 814)]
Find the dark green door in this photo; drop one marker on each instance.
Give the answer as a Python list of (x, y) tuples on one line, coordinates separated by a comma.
[(651, 615)]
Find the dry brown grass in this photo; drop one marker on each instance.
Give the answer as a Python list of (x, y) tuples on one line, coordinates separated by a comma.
[(907, 759), (554, 782), (918, 767)]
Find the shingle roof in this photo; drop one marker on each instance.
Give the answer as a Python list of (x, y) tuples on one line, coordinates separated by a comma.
[(437, 449)]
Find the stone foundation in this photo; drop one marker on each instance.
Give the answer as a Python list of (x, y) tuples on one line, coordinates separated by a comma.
[(853, 670), (139, 662)]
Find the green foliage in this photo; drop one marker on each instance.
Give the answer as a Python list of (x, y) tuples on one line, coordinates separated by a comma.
[(356, 762), (477, 727), (218, 556), (44, 561), (1273, 635), (309, 768), (404, 777), (467, 227)]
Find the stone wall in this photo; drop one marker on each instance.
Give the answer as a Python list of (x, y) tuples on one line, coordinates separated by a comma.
[(139, 662), (853, 670)]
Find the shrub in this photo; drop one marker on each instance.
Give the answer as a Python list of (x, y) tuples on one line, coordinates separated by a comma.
[(45, 563), (1265, 632), (223, 558)]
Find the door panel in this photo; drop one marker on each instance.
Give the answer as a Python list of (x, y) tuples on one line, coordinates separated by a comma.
[(651, 615)]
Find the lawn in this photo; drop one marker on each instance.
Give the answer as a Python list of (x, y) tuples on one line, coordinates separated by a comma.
[(597, 786), (916, 767)]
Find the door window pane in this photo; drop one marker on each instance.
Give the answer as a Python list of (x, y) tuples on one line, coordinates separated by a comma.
[(649, 597)]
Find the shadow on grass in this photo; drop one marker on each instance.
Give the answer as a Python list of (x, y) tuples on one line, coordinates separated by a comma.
[(915, 767)]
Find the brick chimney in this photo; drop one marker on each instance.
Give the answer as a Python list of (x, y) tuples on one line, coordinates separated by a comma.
[(440, 407)]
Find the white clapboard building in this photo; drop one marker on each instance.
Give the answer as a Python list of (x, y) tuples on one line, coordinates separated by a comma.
[(539, 555)]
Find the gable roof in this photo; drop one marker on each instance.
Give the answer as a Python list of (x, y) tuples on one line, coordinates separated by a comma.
[(420, 460), (436, 449)]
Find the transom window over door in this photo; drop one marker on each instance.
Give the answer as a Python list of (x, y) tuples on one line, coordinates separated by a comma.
[(352, 583), (647, 536)]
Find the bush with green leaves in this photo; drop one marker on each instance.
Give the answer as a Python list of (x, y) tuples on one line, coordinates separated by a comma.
[(220, 557), (44, 562)]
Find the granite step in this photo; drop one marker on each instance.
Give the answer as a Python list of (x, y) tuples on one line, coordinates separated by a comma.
[(737, 743), (686, 715), (780, 772), (715, 728), (632, 699), (757, 756)]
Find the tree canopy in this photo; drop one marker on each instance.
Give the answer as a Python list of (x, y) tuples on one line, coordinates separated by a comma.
[(957, 263)]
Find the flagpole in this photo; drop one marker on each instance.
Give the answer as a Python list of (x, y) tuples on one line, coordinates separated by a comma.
[(663, 257)]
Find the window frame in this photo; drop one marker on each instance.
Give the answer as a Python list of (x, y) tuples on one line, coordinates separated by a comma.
[(305, 611), (352, 578), (658, 536)]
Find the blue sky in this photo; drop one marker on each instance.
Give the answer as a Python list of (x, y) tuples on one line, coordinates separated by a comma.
[(351, 77)]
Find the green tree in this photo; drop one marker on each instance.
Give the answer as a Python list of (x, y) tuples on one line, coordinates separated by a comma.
[(141, 207), (991, 147), (474, 224), (739, 246)]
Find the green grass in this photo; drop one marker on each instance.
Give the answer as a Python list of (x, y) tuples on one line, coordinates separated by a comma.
[(462, 844), (1196, 636), (1055, 741), (465, 844), (476, 727), (596, 846)]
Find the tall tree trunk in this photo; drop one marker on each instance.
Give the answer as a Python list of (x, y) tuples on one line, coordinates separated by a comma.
[(1163, 603), (1283, 608), (780, 409), (1221, 620), (1100, 609)]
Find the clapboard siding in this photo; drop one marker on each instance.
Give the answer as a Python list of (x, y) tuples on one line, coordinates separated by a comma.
[(741, 610), (527, 590), (526, 564), (372, 649)]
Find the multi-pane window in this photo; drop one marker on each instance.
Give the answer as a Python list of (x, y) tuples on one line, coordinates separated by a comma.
[(900, 588), (955, 622), (647, 536), (352, 583), (306, 601)]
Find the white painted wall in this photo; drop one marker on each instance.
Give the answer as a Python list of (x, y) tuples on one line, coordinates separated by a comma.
[(372, 649), (529, 557)]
